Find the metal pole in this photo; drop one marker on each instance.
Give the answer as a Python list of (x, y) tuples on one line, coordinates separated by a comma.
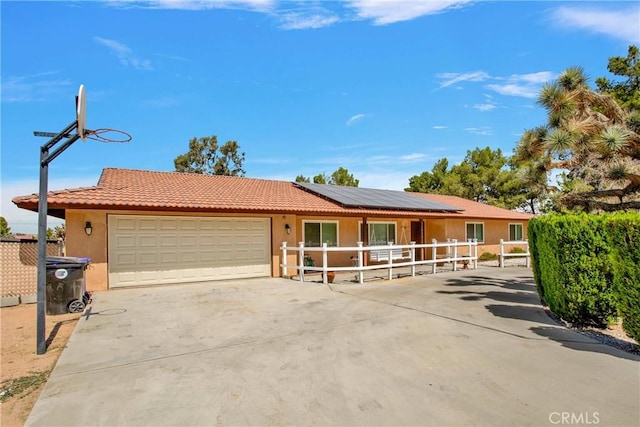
[(41, 345), (45, 158)]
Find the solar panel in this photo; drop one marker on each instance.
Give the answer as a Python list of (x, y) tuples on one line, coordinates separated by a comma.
[(373, 198)]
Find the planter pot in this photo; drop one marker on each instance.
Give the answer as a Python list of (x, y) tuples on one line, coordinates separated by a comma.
[(330, 276)]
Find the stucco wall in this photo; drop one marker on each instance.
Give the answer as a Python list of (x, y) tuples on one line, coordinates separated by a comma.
[(78, 243)]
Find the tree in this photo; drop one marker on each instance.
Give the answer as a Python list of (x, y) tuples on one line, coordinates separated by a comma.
[(205, 156), (590, 139), (321, 178), (5, 230), (482, 176), (626, 93), (59, 232), (340, 176), (430, 182)]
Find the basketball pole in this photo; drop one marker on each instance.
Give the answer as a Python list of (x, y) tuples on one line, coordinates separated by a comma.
[(45, 158)]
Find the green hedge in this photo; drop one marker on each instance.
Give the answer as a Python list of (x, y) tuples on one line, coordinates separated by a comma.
[(623, 231), (586, 267)]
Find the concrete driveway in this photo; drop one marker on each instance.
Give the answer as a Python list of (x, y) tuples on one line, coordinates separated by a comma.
[(470, 347)]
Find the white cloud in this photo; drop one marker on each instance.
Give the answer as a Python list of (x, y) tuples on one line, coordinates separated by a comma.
[(534, 78), (482, 131), (453, 78), (439, 127), (257, 5), (524, 85), (384, 12), (355, 119), (125, 54), (33, 88), (302, 21), (485, 107), (413, 157), (526, 91), (297, 15), (621, 24)]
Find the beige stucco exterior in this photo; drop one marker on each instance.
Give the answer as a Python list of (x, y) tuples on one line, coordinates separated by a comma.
[(95, 246)]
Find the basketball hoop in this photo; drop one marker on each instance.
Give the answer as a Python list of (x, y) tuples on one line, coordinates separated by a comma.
[(59, 142), (97, 135)]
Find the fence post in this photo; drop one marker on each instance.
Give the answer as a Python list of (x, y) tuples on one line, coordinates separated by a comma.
[(455, 254), (284, 259), (360, 264), (324, 263), (501, 253), (475, 254), (434, 255), (390, 270), (412, 255), (301, 261), (528, 254)]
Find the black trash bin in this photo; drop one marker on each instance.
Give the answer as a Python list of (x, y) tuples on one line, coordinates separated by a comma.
[(66, 289)]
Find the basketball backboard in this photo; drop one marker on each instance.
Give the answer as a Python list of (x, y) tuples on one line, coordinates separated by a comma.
[(81, 112)]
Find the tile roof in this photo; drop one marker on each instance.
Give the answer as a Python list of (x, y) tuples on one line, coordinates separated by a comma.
[(474, 209), (127, 189)]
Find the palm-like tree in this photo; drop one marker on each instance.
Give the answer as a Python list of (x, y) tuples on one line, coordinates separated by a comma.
[(589, 136)]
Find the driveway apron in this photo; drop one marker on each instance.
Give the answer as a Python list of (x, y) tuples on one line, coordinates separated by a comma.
[(472, 347)]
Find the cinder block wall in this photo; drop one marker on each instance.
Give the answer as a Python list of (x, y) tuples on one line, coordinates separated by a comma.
[(19, 271)]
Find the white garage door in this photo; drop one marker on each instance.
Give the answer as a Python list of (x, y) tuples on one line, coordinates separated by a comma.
[(151, 250)]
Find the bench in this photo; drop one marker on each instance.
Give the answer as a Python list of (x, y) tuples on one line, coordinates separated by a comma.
[(383, 254)]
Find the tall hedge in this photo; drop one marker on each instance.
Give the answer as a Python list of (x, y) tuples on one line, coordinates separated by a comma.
[(572, 268), (587, 267), (623, 232)]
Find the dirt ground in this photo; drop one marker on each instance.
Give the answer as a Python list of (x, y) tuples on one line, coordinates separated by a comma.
[(22, 372)]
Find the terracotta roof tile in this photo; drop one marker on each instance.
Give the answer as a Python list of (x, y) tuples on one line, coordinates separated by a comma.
[(474, 209), (176, 191)]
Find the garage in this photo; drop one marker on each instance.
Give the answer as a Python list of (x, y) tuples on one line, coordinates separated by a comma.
[(155, 250)]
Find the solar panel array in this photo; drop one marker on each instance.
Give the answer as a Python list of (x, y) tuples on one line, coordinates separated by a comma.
[(372, 198)]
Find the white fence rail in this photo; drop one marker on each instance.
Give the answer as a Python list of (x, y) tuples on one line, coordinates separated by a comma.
[(386, 257), (517, 243)]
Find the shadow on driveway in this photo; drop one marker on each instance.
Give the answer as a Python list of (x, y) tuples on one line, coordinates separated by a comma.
[(523, 303)]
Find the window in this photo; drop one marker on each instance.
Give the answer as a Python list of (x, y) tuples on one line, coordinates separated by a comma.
[(317, 233), (381, 233), (475, 230), (515, 232)]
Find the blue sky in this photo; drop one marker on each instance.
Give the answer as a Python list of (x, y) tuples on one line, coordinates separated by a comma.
[(383, 88)]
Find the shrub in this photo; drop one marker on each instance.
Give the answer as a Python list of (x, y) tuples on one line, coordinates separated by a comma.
[(623, 232), (517, 250), (572, 269), (487, 256)]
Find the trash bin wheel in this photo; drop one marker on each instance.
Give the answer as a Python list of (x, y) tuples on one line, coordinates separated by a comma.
[(75, 306)]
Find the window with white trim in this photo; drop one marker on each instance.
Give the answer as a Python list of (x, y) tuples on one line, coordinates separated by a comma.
[(380, 233), (318, 232), (475, 230), (516, 232)]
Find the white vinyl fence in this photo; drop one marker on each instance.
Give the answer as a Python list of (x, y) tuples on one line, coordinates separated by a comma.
[(516, 243), (384, 256)]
